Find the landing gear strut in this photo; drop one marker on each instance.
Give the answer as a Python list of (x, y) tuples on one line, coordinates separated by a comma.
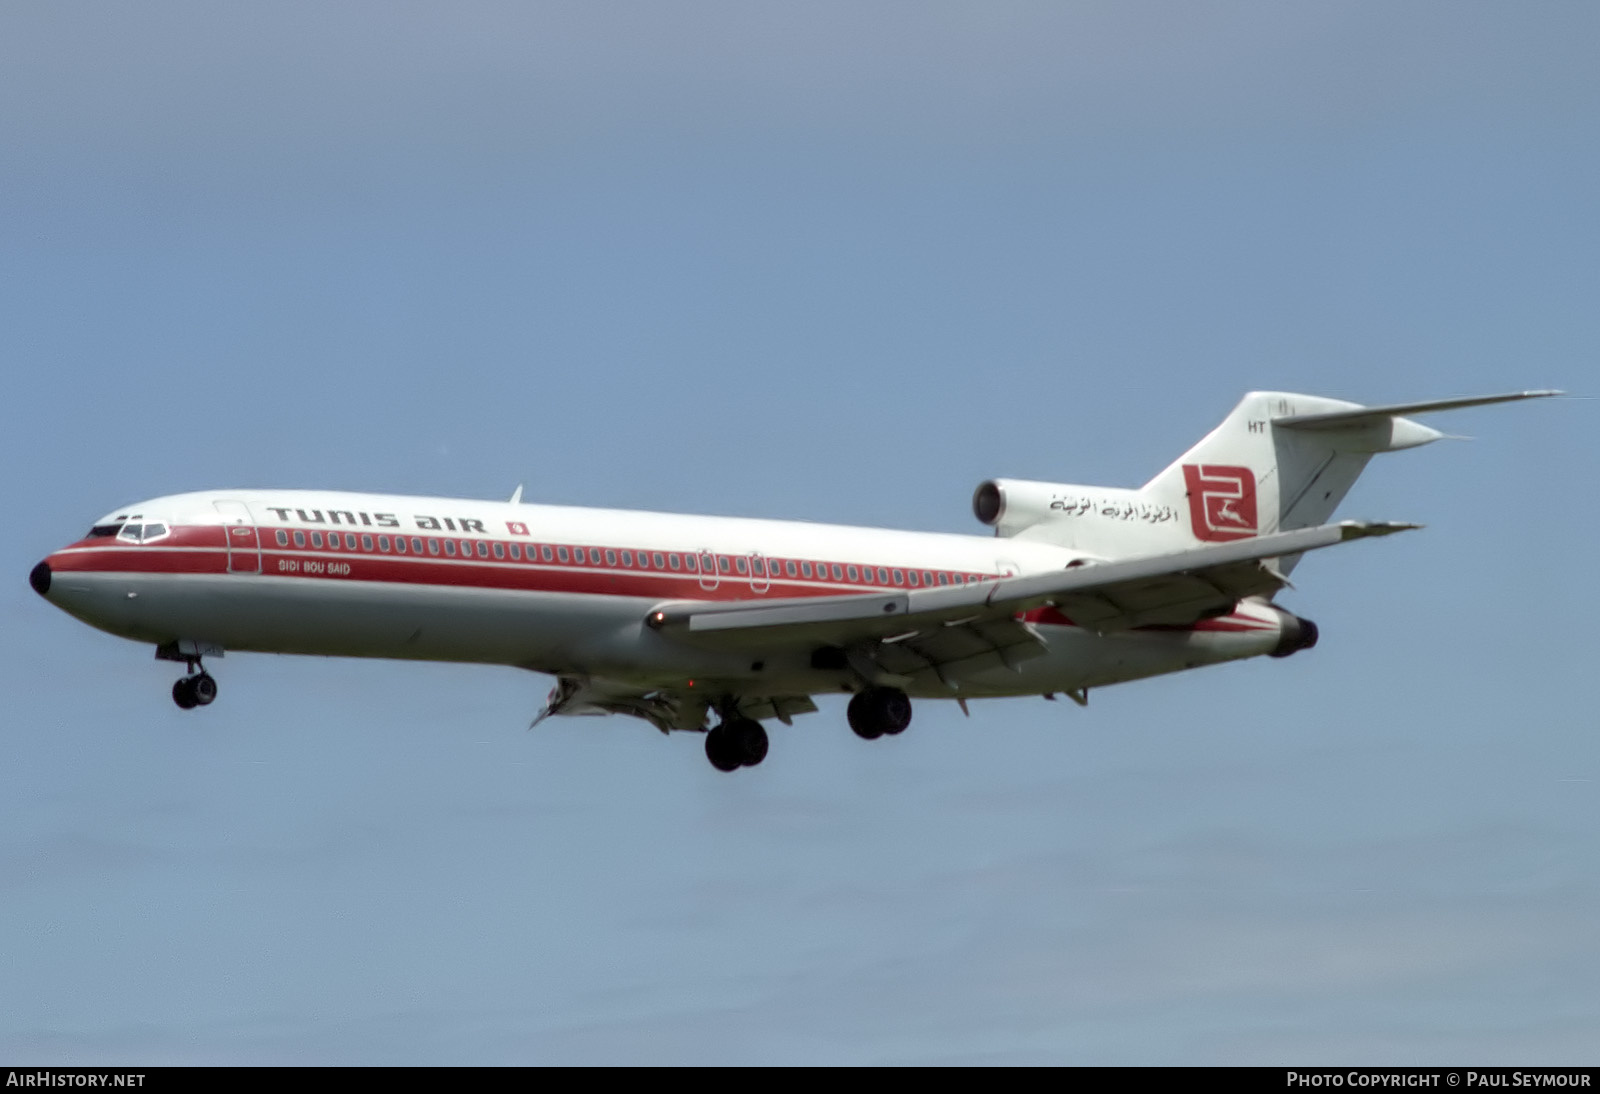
[(736, 742), (199, 689), (878, 711)]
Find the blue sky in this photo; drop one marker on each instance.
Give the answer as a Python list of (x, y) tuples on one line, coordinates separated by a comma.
[(838, 262)]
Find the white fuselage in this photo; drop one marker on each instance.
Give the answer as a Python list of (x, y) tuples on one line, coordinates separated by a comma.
[(559, 590)]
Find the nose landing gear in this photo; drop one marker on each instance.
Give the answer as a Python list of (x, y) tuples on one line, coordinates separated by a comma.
[(196, 690), (199, 688)]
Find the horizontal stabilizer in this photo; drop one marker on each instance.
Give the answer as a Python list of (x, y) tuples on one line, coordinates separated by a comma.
[(1341, 419)]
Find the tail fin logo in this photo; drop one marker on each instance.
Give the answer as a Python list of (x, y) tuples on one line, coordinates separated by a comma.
[(1222, 501)]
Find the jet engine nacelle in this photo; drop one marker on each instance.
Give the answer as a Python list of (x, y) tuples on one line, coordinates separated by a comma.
[(1011, 505), (1297, 634)]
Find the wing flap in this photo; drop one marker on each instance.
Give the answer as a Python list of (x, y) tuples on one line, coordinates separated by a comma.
[(957, 648), (666, 709), (1171, 599), (781, 707)]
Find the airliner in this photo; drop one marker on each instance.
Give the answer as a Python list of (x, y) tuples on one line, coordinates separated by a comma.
[(715, 624)]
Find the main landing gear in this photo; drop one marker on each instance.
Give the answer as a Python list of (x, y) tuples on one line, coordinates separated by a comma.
[(736, 742), (878, 711)]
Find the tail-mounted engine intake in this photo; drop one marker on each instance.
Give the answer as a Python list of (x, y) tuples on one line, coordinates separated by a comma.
[(1010, 505)]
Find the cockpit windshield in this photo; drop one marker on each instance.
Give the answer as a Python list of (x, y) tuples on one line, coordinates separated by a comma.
[(135, 531), (110, 527)]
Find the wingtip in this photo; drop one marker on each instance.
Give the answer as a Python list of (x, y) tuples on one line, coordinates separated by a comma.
[(1358, 529)]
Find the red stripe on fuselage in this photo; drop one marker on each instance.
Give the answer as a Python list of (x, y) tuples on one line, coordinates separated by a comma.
[(204, 549)]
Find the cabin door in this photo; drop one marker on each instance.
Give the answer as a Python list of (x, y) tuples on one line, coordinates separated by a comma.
[(244, 542)]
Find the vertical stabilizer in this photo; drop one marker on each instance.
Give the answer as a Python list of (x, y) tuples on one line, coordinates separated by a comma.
[(1282, 461), (1279, 462)]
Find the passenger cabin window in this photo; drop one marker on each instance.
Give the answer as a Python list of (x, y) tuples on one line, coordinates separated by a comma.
[(299, 538), (672, 560), (611, 557), (283, 538), (450, 547), (366, 543), (483, 548)]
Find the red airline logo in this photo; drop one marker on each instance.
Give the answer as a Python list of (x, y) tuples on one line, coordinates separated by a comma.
[(1222, 501)]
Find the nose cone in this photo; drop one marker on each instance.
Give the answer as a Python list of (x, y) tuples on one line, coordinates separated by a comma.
[(39, 578)]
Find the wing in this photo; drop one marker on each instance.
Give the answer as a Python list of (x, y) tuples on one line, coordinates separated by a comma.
[(977, 626)]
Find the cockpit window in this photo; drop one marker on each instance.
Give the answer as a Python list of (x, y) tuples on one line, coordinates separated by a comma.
[(100, 530), (142, 533)]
